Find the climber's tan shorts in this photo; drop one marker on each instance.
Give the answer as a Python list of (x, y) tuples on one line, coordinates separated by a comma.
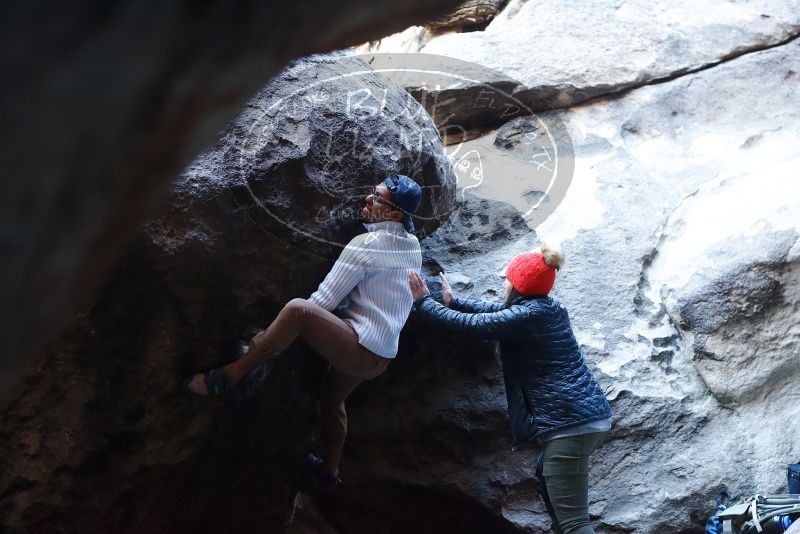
[(331, 337)]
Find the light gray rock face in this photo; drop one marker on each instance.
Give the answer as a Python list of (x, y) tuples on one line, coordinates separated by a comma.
[(740, 314), (567, 52), (680, 230), (412, 39), (564, 53)]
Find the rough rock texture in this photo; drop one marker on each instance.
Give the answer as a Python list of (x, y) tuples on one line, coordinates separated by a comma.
[(469, 16), (564, 53), (413, 38), (604, 46), (472, 15), (340, 126), (97, 437), (102, 106), (680, 230), (464, 99), (740, 313)]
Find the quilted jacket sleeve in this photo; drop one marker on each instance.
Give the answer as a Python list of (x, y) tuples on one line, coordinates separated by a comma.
[(503, 324), (473, 306)]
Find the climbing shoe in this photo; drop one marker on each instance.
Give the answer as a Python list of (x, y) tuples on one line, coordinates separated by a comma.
[(215, 380)]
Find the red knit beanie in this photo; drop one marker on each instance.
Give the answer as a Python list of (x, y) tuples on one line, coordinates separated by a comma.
[(531, 275)]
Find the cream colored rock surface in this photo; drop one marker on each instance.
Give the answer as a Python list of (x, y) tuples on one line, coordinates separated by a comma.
[(568, 52)]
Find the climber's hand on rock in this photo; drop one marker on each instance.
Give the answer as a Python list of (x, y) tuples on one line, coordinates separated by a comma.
[(447, 291), (418, 286)]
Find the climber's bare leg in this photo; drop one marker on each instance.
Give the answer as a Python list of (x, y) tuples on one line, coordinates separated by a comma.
[(328, 335)]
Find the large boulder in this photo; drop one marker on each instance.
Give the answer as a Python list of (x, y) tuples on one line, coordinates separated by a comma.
[(289, 177), (97, 435), (735, 298)]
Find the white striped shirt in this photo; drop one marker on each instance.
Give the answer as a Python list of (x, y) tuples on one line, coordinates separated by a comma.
[(372, 272)]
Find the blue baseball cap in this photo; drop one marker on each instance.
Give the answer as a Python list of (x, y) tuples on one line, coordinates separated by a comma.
[(406, 195)]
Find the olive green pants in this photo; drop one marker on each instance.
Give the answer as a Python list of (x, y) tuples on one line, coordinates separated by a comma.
[(565, 469)]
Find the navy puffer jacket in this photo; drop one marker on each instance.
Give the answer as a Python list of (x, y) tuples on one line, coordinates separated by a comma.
[(548, 385)]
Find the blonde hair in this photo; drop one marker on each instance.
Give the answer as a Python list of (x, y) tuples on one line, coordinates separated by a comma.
[(552, 256)]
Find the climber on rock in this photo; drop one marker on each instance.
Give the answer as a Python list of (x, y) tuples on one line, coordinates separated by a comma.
[(552, 396), (359, 342)]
